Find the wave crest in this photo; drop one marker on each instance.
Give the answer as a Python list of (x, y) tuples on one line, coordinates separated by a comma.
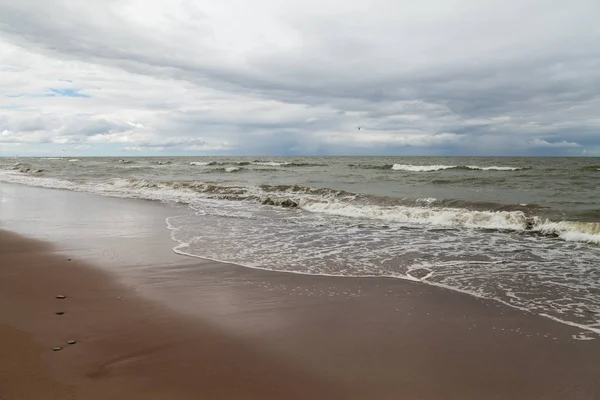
[(424, 212), (431, 168)]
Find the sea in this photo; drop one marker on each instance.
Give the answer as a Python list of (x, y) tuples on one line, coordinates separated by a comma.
[(522, 231)]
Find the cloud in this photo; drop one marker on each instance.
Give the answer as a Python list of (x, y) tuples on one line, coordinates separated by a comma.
[(206, 147), (144, 148), (561, 144), (389, 138), (299, 77)]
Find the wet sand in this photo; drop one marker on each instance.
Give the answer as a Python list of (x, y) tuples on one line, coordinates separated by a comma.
[(150, 324)]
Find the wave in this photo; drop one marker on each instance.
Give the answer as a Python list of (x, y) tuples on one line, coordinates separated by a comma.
[(492, 168), (260, 163), (26, 168), (284, 164), (367, 166), (593, 168), (422, 212), (223, 169), (269, 163), (420, 168), (203, 163), (430, 168), (517, 221), (295, 190)]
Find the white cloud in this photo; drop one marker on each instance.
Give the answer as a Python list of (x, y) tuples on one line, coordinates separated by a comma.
[(144, 148), (300, 76), (545, 143)]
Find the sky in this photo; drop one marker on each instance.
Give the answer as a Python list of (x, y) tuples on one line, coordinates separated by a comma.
[(266, 77)]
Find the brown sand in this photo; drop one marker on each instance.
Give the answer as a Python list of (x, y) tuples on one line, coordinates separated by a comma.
[(250, 334)]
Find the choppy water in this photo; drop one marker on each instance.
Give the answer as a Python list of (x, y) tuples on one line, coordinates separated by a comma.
[(524, 231)]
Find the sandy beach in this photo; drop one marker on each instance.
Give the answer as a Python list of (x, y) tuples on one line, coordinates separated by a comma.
[(151, 324)]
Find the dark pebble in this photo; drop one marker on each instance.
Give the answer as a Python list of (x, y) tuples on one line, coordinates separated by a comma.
[(60, 312), (60, 296), (72, 342), (57, 348)]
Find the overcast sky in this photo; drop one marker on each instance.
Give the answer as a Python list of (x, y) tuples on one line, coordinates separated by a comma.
[(289, 77)]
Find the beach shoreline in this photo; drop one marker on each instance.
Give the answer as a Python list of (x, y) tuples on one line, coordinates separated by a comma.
[(156, 325)]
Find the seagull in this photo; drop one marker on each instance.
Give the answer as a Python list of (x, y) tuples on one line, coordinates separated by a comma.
[(359, 128)]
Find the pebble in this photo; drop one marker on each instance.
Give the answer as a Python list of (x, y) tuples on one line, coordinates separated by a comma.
[(57, 348), (60, 296), (60, 312), (72, 342), (68, 259)]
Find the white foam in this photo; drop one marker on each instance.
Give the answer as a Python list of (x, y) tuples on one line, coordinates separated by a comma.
[(430, 168), (232, 169), (73, 160), (571, 231), (456, 217), (420, 168), (493, 168), (270, 163), (202, 163), (426, 200)]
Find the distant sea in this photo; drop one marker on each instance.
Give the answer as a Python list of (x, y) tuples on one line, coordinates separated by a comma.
[(522, 231)]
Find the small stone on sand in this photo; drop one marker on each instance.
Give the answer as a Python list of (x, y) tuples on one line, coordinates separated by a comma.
[(60, 312), (72, 342), (57, 348), (68, 259), (60, 296)]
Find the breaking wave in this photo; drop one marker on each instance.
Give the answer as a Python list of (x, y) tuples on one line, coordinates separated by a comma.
[(267, 163), (203, 163), (420, 168), (517, 221), (492, 168), (260, 163), (424, 212), (430, 168)]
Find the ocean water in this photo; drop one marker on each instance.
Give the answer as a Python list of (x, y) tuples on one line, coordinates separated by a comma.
[(522, 231)]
